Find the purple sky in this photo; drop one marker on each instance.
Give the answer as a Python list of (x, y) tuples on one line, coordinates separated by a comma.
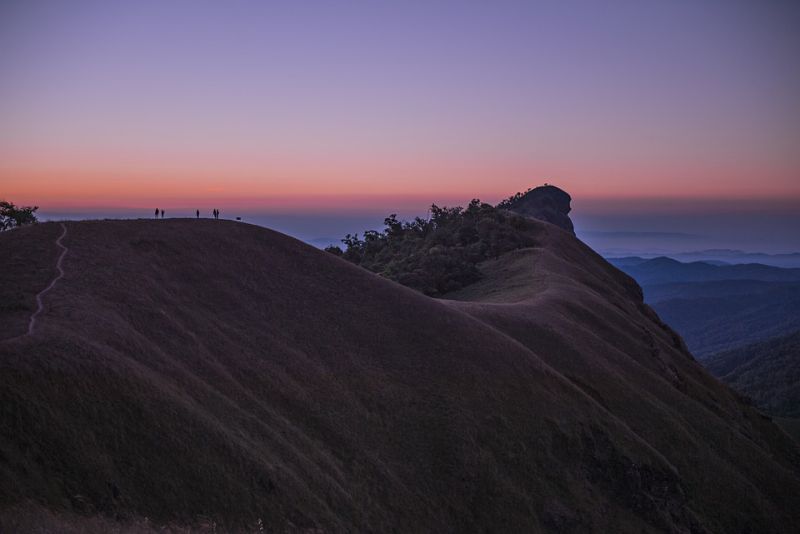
[(290, 106)]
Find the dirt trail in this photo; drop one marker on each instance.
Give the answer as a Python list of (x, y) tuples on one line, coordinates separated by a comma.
[(39, 305)]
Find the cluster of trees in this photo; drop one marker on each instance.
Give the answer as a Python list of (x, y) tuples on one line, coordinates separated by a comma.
[(439, 254), (11, 215)]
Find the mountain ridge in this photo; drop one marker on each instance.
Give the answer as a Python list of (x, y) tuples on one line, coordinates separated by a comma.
[(664, 269), (317, 386)]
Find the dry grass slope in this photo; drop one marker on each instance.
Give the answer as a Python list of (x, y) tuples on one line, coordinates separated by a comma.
[(192, 371)]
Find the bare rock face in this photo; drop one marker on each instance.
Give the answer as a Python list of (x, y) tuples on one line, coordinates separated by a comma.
[(547, 203)]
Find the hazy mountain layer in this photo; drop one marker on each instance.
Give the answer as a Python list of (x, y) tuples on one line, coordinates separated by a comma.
[(665, 270), (768, 372), (718, 308)]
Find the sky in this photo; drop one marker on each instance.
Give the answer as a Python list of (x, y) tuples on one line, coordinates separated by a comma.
[(670, 117)]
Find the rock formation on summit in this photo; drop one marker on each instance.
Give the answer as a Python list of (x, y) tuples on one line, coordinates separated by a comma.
[(547, 203)]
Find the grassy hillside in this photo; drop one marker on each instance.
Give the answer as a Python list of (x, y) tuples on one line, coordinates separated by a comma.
[(194, 371), (535, 296)]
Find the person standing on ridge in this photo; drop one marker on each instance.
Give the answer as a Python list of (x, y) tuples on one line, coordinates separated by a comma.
[(198, 214), (156, 213), (162, 214)]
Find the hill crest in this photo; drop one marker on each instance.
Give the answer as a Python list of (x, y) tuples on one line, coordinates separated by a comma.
[(187, 368)]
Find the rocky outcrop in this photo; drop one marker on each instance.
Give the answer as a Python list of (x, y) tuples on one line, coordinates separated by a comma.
[(547, 203)]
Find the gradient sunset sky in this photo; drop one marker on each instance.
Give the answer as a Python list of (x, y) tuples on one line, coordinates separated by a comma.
[(308, 105)]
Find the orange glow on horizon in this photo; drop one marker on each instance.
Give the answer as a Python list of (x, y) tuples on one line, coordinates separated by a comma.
[(350, 185)]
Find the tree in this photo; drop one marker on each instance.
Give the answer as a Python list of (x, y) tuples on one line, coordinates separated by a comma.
[(12, 216), (333, 249), (439, 254)]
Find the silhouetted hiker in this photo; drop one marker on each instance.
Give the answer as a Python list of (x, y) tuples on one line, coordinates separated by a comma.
[(156, 213), (162, 214), (198, 214)]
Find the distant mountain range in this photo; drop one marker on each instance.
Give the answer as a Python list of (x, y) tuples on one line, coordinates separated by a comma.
[(738, 256), (768, 372), (658, 293), (718, 307), (746, 314), (721, 257), (662, 270), (741, 321)]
